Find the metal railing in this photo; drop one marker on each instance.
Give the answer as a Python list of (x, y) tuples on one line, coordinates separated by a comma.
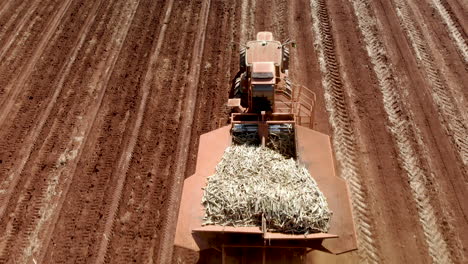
[(305, 106), (301, 103)]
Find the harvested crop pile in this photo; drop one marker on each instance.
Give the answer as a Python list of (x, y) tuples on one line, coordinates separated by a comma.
[(282, 140), (251, 182)]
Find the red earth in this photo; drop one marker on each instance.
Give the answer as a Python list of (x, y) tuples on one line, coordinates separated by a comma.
[(102, 104)]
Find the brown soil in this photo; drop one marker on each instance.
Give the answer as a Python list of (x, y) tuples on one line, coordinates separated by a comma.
[(102, 104)]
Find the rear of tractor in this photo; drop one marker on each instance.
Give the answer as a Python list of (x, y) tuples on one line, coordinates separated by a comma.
[(267, 110)]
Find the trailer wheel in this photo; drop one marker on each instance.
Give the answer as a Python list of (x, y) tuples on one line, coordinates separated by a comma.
[(285, 59)]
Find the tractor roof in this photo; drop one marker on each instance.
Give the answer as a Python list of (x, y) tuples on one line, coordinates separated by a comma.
[(263, 51)]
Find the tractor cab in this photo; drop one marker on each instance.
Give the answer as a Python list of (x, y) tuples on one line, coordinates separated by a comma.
[(263, 86)]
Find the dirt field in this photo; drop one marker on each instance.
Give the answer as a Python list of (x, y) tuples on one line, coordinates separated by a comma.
[(102, 103)]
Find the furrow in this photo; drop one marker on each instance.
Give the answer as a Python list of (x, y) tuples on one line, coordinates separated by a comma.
[(126, 156), (18, 27), (4, 5), (12, 92), (8, 27), (343, 136), (45, 210), (400, 127), (167, 239), (250, 34), (122, 16), (160, 166), (149, 171), (210, 117), (18, 37), (439, 90), (243, 28), (247, 20), (31, 138), (280, 10)]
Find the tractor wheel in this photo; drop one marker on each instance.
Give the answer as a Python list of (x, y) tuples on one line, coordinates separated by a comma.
[(287, 83), (288, 87), (242, 63), (285, 59), (238, 87)]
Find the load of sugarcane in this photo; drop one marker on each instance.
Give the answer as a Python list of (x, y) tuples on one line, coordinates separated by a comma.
[(282, 142), (253, 183)]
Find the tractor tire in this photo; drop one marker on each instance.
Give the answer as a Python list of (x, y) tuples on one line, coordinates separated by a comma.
[(238, 87), (242, 63), (287, 82), (288, 87), (285, 66)]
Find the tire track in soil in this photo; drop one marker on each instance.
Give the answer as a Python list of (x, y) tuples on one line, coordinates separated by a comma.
[(263, 21), (280, 16), (140, 218), (252, 19), (28, 226), (220, 65), (458, 11), (448, 180), (24, 185), (444, 100), (343, 139), (388, 193), (17, 26), (11, 25), (402, 131), (14, 88), (4, 5), (247, 20), (108, 123), (14, 136), (163, 169), (287, 18), (304, 63), (445, 55), (20, 135), (182, 152), (110, 233), (453, 27), (12, 21), (440, 156)]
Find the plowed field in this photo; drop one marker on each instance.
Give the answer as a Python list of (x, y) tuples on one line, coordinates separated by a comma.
[(102, 103)]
